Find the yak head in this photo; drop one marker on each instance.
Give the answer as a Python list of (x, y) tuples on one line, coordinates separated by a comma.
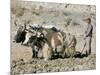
[(20, 34)]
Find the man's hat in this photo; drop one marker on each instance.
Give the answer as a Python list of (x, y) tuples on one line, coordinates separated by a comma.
[(87, 18)]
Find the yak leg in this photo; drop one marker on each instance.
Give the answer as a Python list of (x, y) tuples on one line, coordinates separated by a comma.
[(47, 52)]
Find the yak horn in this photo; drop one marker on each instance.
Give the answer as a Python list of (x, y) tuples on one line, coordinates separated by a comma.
[(15, 23)]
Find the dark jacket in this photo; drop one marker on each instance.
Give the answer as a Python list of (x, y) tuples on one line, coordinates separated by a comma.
[(89, 30)]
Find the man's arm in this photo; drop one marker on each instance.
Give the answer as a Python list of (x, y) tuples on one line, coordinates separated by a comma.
[(88, 30)]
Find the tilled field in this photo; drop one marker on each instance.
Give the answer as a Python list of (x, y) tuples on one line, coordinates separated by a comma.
[(56, 65)]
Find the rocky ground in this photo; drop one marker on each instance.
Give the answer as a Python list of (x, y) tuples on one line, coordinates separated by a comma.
[(57, 65), (22, 63), (64, 16)]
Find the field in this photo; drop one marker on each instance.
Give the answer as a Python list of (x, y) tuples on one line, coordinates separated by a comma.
[(67, 17)]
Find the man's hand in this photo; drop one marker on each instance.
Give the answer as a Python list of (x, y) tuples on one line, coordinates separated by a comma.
[(84, 35)]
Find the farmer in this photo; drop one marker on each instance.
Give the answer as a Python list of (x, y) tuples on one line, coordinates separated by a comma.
[(88, 37)]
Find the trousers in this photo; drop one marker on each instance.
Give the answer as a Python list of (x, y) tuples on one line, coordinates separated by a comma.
[(87, 47)]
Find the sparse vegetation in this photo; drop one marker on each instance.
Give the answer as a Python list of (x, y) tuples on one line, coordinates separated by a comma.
[(21, 61), (75, 23), (68, 21)]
